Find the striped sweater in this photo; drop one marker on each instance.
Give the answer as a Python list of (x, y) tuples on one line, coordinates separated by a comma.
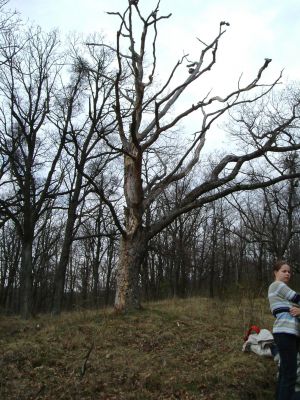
[(281, 299)]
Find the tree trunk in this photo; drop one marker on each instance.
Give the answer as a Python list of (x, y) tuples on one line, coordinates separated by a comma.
[(61, 269), (60, 274), (26, 278), (109, 270), (133, 241), (132, 251), (95, 289)]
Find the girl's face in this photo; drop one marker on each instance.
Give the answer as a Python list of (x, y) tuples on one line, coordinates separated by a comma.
[(283, 274)]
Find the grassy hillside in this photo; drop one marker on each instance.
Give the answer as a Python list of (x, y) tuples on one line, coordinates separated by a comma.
[(179, 349)]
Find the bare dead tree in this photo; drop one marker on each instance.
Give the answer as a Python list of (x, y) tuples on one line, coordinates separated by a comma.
[(142, 110)]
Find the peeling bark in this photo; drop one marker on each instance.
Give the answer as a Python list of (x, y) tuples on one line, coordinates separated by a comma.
[(132, 251)]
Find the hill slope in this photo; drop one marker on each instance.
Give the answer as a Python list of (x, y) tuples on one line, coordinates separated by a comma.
[(179, 349)]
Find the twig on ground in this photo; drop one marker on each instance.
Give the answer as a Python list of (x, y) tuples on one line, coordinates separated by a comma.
[(83, 368)]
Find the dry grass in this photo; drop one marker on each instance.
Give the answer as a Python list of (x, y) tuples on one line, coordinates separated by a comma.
[(179, 349)]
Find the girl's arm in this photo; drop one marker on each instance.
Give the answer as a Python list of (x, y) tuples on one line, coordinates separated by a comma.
[(288, 294)]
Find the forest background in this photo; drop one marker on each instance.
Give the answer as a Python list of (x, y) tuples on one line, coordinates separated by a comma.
[(107, 197)]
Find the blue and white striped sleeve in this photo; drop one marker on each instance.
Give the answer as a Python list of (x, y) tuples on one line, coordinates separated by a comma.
[(288, 294)]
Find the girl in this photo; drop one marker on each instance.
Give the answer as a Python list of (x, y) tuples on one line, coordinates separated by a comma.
[(286, 329)]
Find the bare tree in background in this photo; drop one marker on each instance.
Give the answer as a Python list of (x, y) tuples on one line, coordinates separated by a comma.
[(10, 252), (271, 217), (85, 113), (8, 23), (30, 151), (143, 111)]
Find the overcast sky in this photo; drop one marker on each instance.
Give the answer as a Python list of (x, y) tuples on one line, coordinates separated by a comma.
[(258, 29)]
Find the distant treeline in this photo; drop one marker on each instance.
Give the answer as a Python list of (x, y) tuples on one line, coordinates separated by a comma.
[(224, 249)]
